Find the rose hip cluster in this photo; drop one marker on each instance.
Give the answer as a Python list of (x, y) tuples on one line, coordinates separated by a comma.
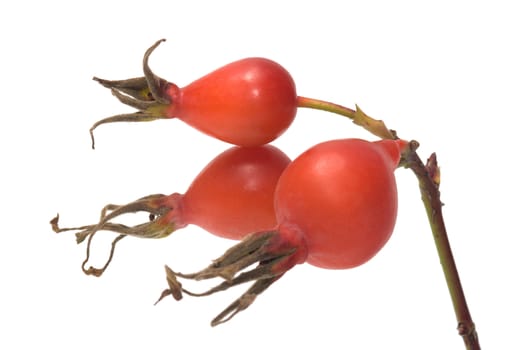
[(334, 206)]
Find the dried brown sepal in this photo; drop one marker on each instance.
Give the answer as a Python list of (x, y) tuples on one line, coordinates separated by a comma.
[(134, 87), (244, 301), (157, 85), (174, 286), (261, 248), (152, 229), (94, 271), (147, 94)]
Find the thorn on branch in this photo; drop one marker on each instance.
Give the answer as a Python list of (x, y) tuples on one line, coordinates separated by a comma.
[(434, 171)]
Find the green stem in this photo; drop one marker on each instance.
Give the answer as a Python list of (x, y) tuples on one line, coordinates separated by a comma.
[(428, 177), (376, 127)]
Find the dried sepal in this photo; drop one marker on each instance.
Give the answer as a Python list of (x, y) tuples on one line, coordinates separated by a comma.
[(148, 94), (272, 256), (155, 228)]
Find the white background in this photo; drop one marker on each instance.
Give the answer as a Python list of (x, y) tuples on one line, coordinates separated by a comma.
[(445, 73)]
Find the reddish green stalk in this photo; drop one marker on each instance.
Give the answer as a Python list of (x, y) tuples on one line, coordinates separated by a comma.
[(431, 198), (429, 180)]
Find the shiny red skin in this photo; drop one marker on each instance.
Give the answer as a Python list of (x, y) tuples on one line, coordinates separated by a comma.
[(233, 195), (341, 197), (249, 102)]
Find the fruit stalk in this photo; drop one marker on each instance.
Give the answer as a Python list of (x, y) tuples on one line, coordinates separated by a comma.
[(429, 181)]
